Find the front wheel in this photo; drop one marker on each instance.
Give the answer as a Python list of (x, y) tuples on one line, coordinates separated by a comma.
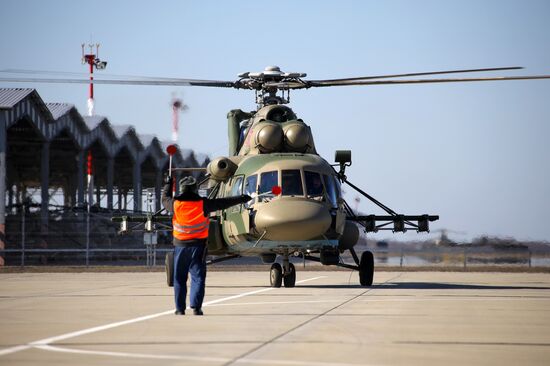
[(366, 269), (276, 275), (289, 278), (169, 268)]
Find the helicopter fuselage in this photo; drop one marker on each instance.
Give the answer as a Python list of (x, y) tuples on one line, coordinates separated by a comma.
[(307, 215)]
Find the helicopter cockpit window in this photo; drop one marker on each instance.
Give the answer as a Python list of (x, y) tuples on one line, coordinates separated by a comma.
[(291, 182), (314, 185), (250, 188), (236, 190), (267, 181), (332, 190), (237, 187)]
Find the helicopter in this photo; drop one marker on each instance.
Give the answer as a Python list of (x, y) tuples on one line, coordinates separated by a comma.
[(297, 207)]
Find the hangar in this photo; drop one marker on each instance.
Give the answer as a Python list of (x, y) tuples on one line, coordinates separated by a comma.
[(46, 150)]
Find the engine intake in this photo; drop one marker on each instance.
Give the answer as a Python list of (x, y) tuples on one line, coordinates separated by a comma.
[(221, 168), (269, 137), (297, 137)]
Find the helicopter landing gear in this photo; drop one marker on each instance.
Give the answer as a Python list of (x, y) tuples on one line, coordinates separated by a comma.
[(276, 275), (289, 275), (366, 269), (289, 272), (289, 278), (285, 274)]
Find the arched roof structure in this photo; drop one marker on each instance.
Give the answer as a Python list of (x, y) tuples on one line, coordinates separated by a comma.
[(25, 111)]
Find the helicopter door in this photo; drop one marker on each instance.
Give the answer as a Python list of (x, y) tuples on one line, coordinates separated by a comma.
[(334, 194), (236, 217)]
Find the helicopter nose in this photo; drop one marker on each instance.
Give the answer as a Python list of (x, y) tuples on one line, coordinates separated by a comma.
[(290, 219)]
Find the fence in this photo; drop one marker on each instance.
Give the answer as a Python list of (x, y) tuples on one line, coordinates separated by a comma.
[(82, 238), (75, 238), (465, 256)]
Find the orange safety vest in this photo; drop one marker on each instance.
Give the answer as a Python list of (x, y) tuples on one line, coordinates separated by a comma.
[(189, 221)]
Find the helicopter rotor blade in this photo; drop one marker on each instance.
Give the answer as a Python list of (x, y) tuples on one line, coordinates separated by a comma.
[(418, 74), (43, 73), (161, 82), (422, 81)]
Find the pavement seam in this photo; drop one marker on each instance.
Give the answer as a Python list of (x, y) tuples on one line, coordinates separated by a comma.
[(47, 341), (242, 358)]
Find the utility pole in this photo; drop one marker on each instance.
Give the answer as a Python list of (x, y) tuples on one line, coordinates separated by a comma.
[(90, 200), (94, 61)]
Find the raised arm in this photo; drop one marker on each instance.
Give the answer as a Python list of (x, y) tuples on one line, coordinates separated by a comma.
[(223, 203), (167, 200)]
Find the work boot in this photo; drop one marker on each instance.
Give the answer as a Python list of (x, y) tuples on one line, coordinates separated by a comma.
[(180, 312), (197, 311)]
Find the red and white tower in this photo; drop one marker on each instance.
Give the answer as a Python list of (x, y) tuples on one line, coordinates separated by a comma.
[(94, 61), (177, 106)]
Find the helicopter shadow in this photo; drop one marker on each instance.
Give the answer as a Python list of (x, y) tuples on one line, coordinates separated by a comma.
[(454, 286), (428, 286), (345, 286), (237, 286)]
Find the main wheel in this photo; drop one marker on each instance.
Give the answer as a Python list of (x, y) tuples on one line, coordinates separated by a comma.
[(366, 268), (289, 279), (276, 275), (169, 268)]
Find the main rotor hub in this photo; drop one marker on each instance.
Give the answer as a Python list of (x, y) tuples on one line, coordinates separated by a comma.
[(268, 82)]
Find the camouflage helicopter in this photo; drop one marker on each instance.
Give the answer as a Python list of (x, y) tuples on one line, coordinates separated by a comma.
[(297, 207)]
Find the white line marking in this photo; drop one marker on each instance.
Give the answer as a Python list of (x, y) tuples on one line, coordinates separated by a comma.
[(189, 358), (46, 341), (499, 299), (131, 355), (7, 351), (256, 361), (275, 303), (61, 337)]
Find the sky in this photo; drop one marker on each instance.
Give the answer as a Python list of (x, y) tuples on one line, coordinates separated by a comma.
[(477, 154)]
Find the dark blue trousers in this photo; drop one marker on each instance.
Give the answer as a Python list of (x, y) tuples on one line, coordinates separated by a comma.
[(187, 260)]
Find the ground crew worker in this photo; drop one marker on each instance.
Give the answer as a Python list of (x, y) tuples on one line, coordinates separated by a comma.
[(190, 230)]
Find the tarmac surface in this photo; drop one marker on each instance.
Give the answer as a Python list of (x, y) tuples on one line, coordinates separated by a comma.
[(406, 318)]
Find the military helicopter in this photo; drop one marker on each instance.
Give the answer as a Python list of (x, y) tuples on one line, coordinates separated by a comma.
[(297, 207)]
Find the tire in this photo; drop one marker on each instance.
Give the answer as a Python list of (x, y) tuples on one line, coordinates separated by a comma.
[(169, 268), (366, 269), (276, 275), (289, 279)]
